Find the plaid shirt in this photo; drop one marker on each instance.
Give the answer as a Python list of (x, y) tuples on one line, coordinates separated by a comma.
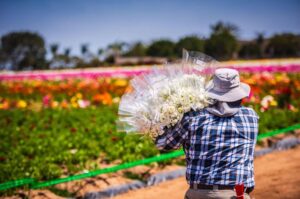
[(219, 150)]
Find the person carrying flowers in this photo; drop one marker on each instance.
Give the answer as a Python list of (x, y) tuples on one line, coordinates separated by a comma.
[(218, 141), (180, 105)]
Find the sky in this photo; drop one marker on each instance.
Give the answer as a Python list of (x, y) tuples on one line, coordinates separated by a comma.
[(98, 23)]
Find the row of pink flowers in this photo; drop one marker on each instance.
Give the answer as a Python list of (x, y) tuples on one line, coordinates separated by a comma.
[(130, 71), (293, 68), (75, 73)]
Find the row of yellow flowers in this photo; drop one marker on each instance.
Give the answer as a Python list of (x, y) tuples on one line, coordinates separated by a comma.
[(268, 90), (69, 93), (67, 86), (49, 102)]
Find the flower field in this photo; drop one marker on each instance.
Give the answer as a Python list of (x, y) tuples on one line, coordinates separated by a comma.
[(58, 127)]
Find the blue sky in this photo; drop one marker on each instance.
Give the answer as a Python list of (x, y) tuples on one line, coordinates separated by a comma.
[(100, 22)]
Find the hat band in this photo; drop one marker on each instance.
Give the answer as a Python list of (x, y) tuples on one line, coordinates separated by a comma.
[(224, 89)]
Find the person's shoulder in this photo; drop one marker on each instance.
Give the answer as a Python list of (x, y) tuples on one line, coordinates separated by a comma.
[(197, 113), (249, 112)]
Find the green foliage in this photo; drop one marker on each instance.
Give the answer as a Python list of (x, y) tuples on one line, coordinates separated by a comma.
[(284, 45), (116, 48), (27, 50), (250, 51), (192, 43), (276, 118), (44, 145), (161, 48), (54, 49), (24, 49), (137, 50), (222, 43), (84, 49)]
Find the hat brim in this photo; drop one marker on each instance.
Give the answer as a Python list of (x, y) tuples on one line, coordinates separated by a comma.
[(235, 94)]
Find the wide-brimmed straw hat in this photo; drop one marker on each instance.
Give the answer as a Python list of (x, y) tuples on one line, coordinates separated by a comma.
[(226, 86)]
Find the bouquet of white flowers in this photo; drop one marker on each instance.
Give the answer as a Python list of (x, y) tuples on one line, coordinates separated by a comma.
[(160, 98)]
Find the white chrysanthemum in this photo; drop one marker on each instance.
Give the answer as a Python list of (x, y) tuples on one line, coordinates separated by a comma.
[(163, 103)]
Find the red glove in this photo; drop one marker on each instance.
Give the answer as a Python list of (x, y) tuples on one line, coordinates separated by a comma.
[(239, 189)]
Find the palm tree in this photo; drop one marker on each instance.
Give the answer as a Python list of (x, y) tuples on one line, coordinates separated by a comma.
[(221, 27), (84, 49), (260, 38), (100, 51), (67, 54), (116, 48), (54, 49)]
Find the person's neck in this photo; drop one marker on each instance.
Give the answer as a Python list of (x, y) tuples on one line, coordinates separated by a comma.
[(224, 109)]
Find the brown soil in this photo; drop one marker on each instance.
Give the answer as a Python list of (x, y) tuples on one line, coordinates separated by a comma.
[(277, 176), (98, 183)]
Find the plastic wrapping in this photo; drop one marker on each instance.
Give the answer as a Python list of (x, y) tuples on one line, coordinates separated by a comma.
[(161, 97)]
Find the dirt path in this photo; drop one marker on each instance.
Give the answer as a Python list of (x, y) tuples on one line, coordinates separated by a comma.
[(277, 176)]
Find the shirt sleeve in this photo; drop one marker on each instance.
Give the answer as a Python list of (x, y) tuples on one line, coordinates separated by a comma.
[(173, 137)]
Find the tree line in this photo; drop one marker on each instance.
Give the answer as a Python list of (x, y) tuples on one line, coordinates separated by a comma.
[(27, 50)]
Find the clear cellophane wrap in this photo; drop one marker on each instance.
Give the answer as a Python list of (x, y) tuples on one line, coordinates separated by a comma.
[(160, 98)]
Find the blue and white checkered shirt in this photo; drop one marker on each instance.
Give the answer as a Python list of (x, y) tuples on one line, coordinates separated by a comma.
[(219, 150)]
